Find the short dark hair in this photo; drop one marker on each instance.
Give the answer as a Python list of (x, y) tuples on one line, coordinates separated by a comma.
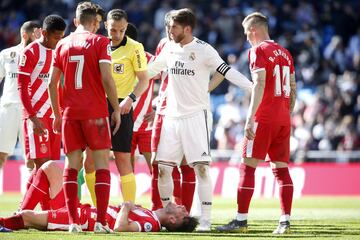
[(86, 12), (29, 26), (185, 17), (188, 225), (117, 14), (100, 11), (54, 23), (131, 31)]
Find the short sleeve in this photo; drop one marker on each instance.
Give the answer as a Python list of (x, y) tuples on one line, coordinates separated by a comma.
[(27, 62), (57, 57), (104, 49), (256, 60), (139, 60)]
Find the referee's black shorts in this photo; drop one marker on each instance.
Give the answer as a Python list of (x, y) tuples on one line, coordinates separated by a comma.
[(121, 141)]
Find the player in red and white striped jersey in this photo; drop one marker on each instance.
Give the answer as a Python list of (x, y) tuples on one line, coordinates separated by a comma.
[(41, 143)]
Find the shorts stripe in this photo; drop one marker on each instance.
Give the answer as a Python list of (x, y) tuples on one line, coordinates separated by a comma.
[(30, 133), (207, 132), (250, 143)]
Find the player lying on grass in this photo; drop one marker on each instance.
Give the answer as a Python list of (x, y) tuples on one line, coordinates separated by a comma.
[(125, 218)]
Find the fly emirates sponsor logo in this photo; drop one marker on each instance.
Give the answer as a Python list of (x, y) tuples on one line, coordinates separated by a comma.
[(179, 69), (44, 77)]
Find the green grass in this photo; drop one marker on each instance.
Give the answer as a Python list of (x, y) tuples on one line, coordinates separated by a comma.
[(312, 218)]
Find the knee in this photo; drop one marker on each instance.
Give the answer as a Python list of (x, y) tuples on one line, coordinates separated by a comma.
[(3, 157), (164, 171), (202, 171)]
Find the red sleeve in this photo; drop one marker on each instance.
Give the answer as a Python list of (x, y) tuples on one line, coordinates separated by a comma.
[(57, 58), (26, 65), (104, 49), (23, 85), (257, 60)]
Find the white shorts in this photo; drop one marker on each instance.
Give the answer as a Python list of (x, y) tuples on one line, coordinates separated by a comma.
[(10, 127), (188, 136)]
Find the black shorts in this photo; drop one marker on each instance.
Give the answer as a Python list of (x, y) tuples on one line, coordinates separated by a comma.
[(121, 141)]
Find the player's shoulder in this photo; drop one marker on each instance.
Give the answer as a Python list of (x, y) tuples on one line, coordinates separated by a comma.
[(202, 46), (11, 51)]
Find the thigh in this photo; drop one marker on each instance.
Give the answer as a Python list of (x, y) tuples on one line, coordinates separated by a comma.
[(9, 128), (144, 142), (195, 137), (170, 148), (279, 150), (58, 219), (96, 133), (72, 136)]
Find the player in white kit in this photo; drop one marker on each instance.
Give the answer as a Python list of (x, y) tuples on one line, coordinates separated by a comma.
[(10, 104), (188, 121)]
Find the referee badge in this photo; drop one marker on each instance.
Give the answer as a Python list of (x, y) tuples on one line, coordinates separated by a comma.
[(118, 68), (192, 56)]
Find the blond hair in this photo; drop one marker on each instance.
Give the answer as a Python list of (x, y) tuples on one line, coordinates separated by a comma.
[(256, 19)]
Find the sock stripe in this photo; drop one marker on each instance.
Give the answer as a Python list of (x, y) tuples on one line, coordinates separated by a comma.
[(247, 188), (188, 182), (39, 189), (101, 183), (286, 185), (67, 182)]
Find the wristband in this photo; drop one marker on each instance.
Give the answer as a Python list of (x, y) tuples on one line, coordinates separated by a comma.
[(132, 96)]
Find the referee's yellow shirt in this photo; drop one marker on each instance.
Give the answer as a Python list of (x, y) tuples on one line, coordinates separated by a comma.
[(126, 60)]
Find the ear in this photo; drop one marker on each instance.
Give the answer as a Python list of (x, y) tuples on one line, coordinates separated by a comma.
[(76, 22), (44, 33), (172, 219), (106, 24)]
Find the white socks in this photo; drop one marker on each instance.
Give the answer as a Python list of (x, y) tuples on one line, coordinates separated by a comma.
[(284, 218), (204, 190), (165, 183), (241, 216)]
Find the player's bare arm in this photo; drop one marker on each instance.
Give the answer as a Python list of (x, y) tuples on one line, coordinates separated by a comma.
[(140, 87), (293, 92), (256, 97), (122, 223), (54, 81), (110, 90), (215, 80)]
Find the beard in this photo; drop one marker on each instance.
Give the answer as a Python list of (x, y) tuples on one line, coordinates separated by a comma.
[(178, 38)]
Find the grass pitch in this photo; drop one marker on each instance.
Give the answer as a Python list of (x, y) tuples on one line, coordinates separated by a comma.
[(312, 218)]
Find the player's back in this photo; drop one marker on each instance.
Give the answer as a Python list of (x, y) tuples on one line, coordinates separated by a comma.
[(79, 56), (278, 64)]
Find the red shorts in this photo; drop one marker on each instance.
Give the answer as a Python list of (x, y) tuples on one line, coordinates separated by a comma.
[(41, 146), (156, 131), (94, 133), (270, 139), (141, 140), (59, 219)]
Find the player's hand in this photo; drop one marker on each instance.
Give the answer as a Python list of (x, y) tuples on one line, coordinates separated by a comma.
[(128, 204), (125, 105), (38, 126), (249, 129), (115, 120), (57, 125), (149, 117)]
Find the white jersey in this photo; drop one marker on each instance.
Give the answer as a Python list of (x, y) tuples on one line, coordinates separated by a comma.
[(9, 60), (189, 69)]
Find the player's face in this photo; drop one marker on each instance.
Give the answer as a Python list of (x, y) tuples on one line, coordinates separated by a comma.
[(178, 211), (52, 38), (177, 32), (249, 32), (116, 30)]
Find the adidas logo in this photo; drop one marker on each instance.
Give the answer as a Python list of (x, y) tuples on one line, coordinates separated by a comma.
[(204, 154)]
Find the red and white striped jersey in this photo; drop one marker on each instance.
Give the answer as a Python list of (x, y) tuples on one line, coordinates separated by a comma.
[(161, 99), (144, 218), (35, 62), (144, 104)]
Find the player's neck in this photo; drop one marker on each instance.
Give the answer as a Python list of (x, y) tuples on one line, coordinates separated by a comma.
[(84, 28), (186, 40), (161, 214)]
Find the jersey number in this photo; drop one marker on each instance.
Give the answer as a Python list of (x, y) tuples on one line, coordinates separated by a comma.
[(282, 85), (79, 59)]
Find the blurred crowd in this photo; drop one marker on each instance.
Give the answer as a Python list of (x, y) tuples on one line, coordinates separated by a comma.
[(323, 37)]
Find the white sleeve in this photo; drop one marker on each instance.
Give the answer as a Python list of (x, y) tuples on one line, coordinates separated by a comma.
[(2, 66), (216, 62), (158, 65)]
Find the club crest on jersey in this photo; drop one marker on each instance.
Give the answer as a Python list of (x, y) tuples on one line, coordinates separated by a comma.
[(43, 148), (13, 54), (192, 56), (118, 68), (109, 50), (22, 60), (148, 227)]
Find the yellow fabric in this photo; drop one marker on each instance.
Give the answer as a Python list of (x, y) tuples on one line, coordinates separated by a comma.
[(90, 183), (125, 61), (128, 187)]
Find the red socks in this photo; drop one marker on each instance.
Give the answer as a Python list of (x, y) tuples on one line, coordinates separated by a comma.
[(14, 223), (102, 191), (58, 201), (177, 185), (187, 186), (71, 197), (286, 189), (155, 196), (38, 191), (245, 188)]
